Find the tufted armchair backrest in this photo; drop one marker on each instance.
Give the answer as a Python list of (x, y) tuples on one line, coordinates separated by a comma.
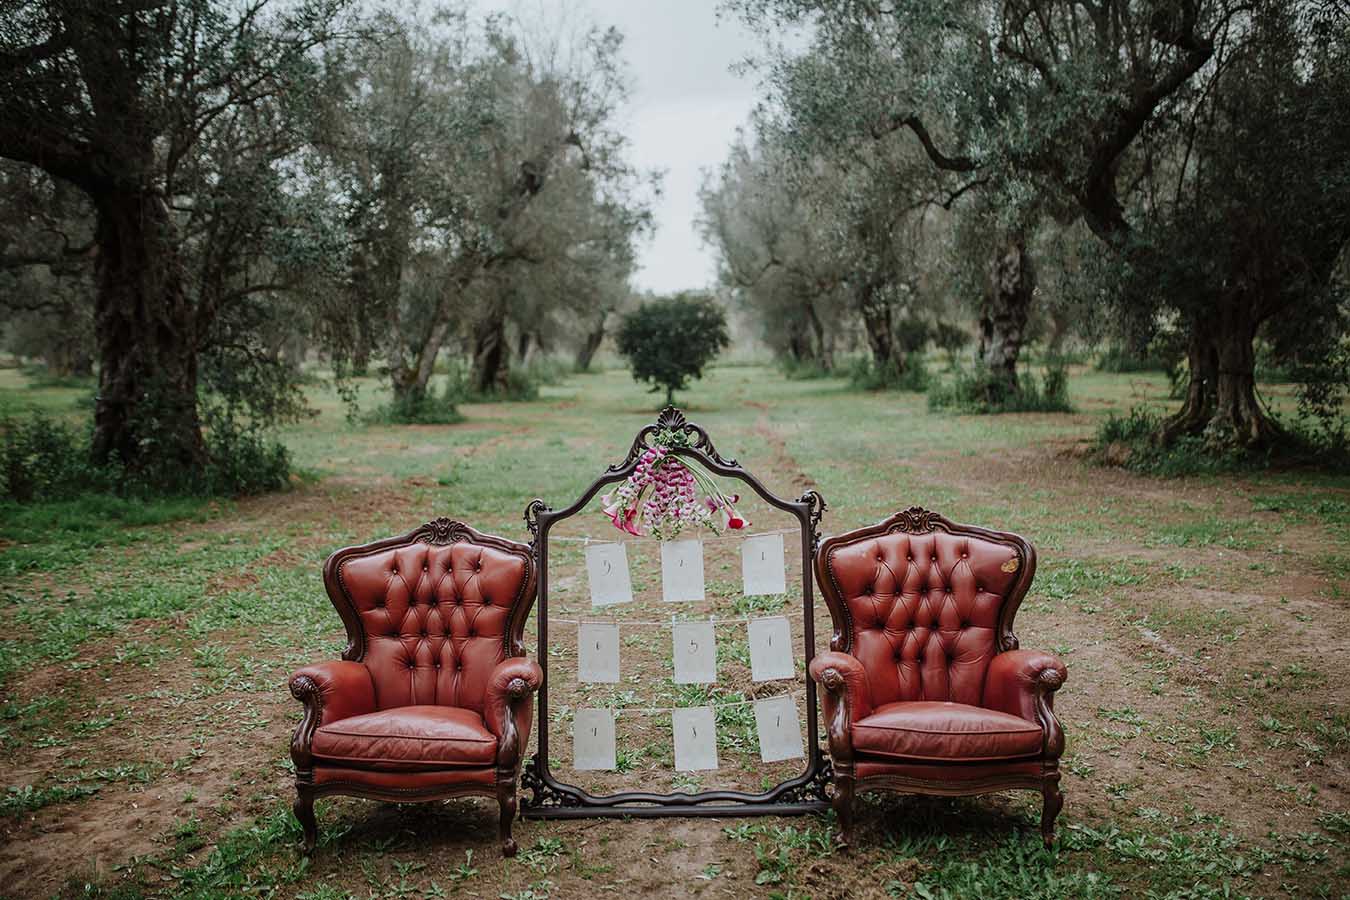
[(924, 603), (432, 612)]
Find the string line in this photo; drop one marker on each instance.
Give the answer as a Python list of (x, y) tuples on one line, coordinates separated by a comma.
[(720, 537), (716, 620), (654, 710)]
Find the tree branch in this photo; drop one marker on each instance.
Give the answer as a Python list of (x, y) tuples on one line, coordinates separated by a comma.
[(938, 158)]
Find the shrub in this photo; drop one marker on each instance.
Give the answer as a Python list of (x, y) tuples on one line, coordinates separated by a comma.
[(804, 369), (241, 459), (42, 460), (419, 409), (909, 374), (1132, 442), (45, 460), (973, 391), (668, 341)]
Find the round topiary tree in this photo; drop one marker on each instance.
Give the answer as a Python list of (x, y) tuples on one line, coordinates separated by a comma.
[(669, 340)]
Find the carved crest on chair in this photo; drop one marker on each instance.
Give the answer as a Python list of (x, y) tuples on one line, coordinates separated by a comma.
[(442, 531), (671, 429), (915, 520)]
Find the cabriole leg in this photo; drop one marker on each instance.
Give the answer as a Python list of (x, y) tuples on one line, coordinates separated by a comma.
[(1053, 802), (304, 811), (506, 799), (843, 805)]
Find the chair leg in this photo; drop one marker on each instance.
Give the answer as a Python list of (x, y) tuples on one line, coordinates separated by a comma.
[(506, 799), (843, 805), (304, 811), (1053, 802)]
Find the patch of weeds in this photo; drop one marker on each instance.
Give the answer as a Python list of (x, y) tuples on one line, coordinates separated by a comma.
[(20, 720), (908, 373), (543, 856), (539, 890), (1305, 507), (975, 391), (1335, 822), (1206, 532), (27, 798), (1067, 581), (626, 758), (759, 605), (61, 533), (1133, 441), (783, 848)]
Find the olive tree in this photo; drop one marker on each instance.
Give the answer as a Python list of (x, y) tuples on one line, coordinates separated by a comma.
[(180, 121)]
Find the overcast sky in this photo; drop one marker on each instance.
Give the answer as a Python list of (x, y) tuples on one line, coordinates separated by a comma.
[(683, 113)]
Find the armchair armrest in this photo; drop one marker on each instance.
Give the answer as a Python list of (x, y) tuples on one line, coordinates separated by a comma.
[(509, 706), (1023, 683), (331, 691), (847, 698)]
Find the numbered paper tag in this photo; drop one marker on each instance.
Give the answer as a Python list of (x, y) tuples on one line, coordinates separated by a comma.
[(780, 734), (607, 571), (593, 739), (695, 650), (763, 570), (770, 649), (598, 652), (681, 571), (695, 739)]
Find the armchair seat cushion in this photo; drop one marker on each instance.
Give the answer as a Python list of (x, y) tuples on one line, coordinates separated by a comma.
[(951, 732), (408, 738)]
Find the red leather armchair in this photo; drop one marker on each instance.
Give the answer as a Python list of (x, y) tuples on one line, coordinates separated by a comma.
[(925, 690), (433, 696)]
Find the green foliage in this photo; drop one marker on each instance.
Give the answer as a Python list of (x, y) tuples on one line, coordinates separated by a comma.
[(976, 391), (796, 369), (44, 460), (668, 341), (422, 407), (908, 373), (41, 459), (1132, 441)]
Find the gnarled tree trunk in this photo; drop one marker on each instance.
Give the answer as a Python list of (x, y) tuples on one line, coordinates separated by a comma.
[(146, 411), (1221, 403), (876, 316), (590, 344), (1003, 318), (491, 355)]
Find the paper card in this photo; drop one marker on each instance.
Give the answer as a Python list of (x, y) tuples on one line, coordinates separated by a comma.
[(598, 652), (695, 651), (593, 739), (770, 649), (763, 570), (780, 732), (695, 739), (607, 572), (681, 571)]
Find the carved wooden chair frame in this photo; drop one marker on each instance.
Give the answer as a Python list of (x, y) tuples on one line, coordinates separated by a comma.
[(439, 532), (917, 520)]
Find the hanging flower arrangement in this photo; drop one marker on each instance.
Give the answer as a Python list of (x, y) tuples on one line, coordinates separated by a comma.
[(661, 498)]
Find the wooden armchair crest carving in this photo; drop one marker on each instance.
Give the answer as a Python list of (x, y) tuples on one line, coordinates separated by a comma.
[(433, 697), (925, 689)]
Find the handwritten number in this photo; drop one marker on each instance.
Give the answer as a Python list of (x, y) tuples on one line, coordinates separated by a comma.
[(608, 567)]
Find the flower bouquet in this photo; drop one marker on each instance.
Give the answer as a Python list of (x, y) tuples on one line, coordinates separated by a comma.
[(661, 498)]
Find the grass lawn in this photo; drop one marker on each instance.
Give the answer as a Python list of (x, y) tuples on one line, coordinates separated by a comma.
[(144, 650)]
